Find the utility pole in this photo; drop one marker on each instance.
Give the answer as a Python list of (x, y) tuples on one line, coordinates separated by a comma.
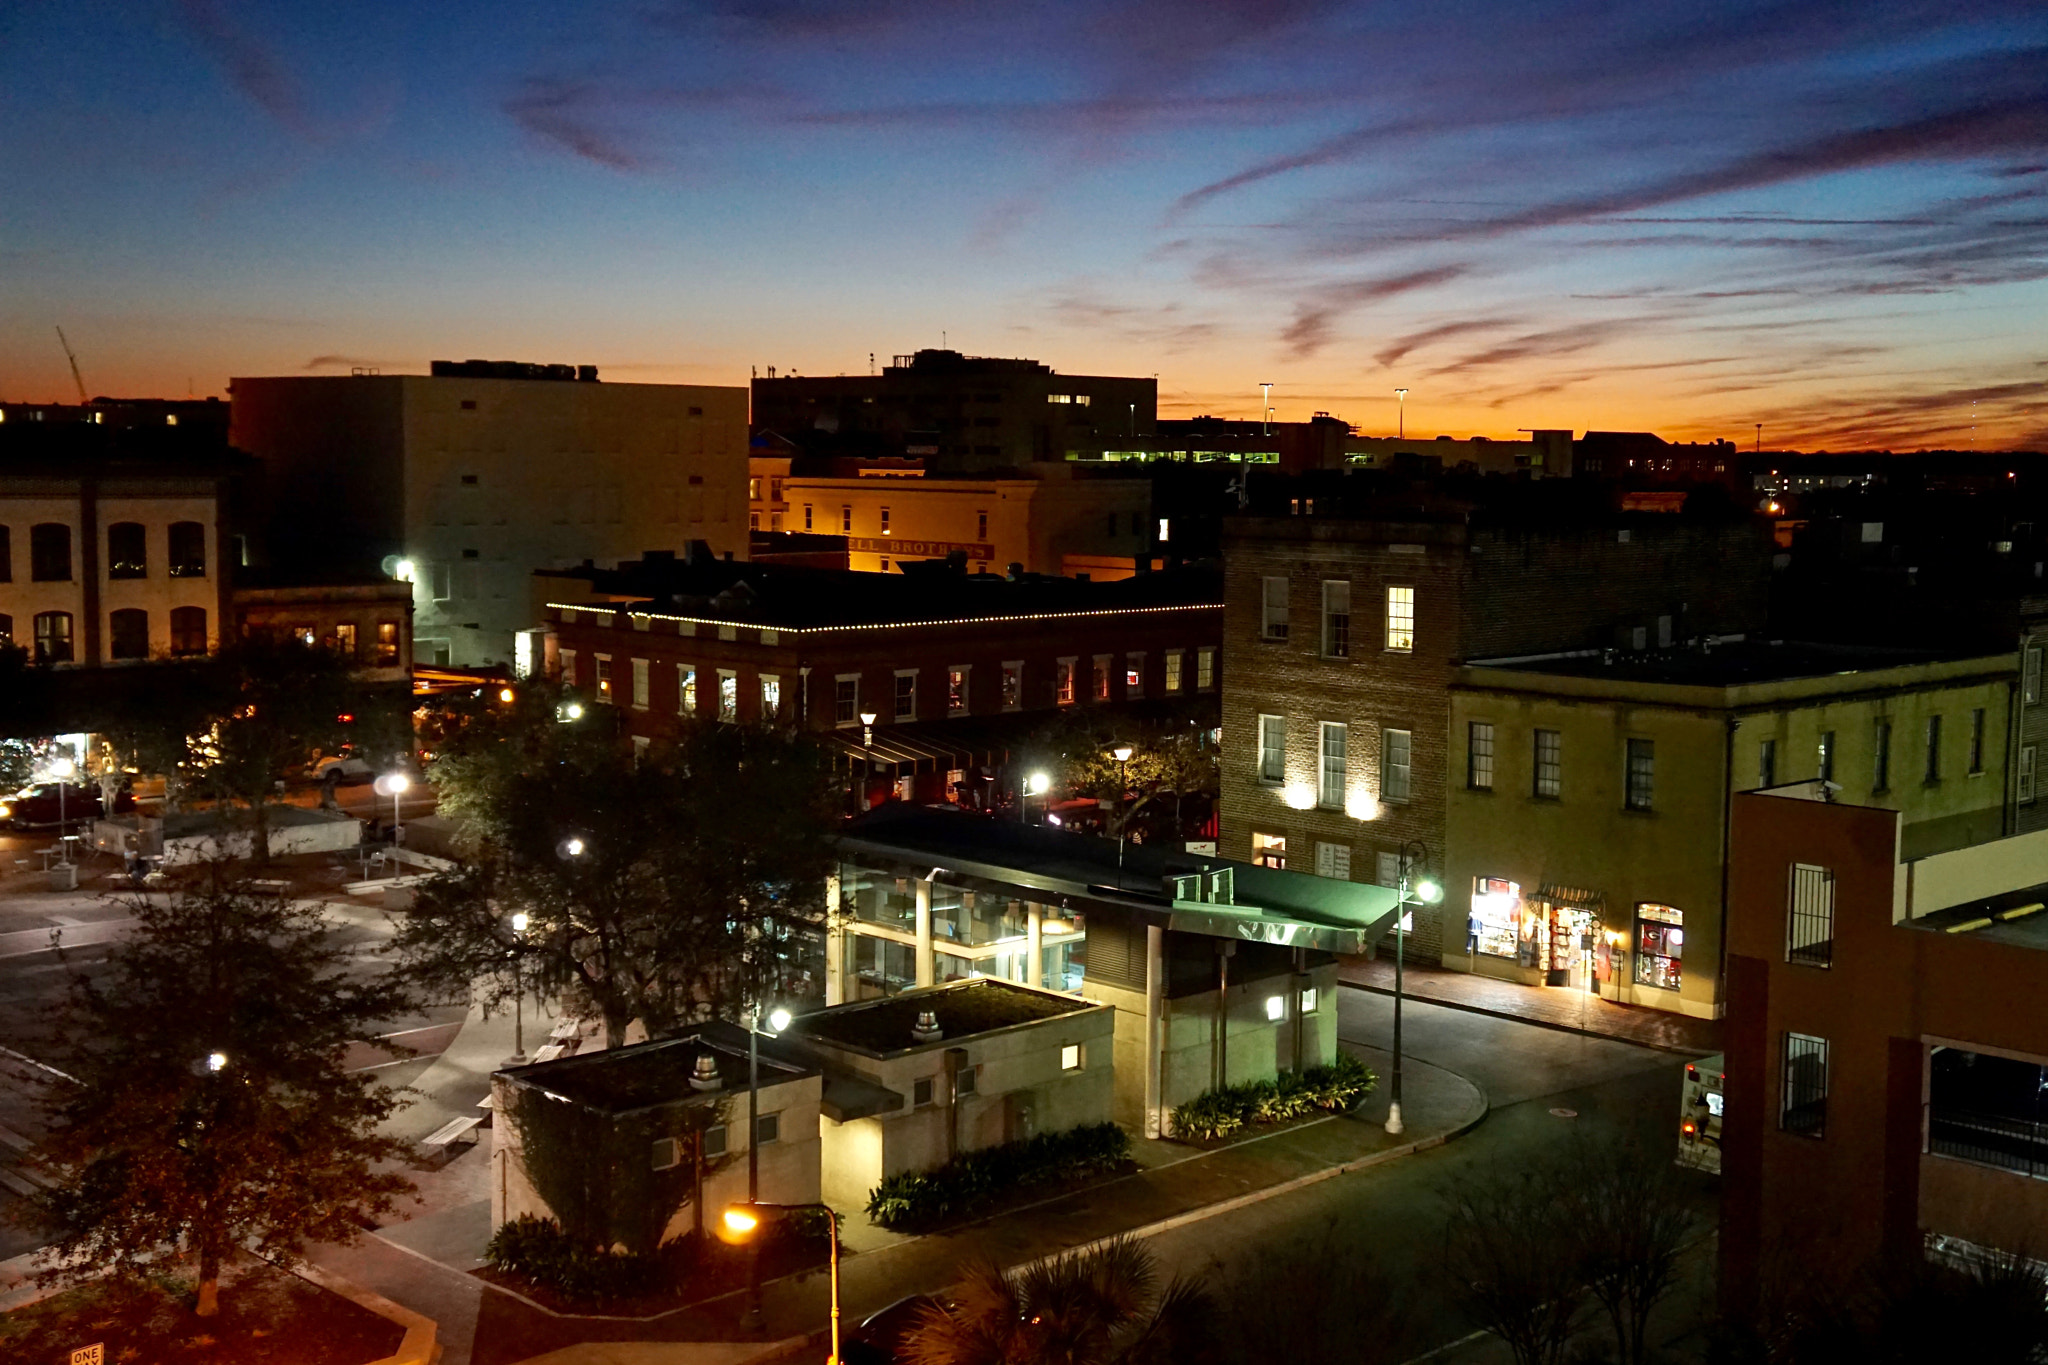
[(1401, 430)]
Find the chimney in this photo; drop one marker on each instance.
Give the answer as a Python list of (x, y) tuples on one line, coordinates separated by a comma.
[(926, 1029), (704, 1076)]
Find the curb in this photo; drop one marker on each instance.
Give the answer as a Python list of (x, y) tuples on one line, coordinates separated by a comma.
[(418, 1347), (1246, 1200), (1511, 1018)]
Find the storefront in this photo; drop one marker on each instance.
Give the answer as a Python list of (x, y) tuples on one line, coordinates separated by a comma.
[(1552, 937), (1494, 928)]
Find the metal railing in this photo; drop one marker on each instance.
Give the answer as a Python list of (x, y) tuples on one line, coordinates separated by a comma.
[(2011, 1144)]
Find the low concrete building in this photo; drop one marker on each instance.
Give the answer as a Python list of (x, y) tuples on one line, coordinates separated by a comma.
[(678, 1104), (915, 1079), (1218, 971)]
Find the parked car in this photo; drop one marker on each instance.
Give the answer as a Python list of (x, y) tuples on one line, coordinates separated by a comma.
[(878, 1339), (39, 807), (347, 764)]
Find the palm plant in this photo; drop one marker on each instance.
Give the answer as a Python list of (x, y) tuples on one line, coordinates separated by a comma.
[(1101, 1306)]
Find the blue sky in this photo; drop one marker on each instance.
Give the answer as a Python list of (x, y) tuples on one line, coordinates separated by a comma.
[(1827, 217)]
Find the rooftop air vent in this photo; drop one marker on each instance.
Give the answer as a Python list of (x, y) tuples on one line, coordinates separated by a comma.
[(926, 1029), (704, 1076)]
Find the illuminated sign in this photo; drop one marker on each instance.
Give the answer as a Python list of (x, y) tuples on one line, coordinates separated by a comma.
[(916, 549)]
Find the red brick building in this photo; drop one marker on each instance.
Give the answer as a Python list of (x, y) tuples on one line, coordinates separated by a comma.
[(1887, 1038), (938, 657), (1346, 622)]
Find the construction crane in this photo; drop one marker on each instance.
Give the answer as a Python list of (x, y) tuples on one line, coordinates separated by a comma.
[(73, 358)]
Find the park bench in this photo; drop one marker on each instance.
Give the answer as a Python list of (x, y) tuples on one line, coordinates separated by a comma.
[(454, 1131), (272, 886)]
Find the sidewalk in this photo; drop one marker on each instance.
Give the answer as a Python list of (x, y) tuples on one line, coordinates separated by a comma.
[(1574, 1011), (424, 1263)]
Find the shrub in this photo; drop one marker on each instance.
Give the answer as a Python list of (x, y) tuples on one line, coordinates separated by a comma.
[(1337, 1086), (537, 1249), (919, 1199)]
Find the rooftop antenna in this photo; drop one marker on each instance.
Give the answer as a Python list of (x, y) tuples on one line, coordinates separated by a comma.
[(68, 355)]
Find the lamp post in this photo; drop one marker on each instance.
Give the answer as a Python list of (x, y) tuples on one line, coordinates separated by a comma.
[(778, 1020), (1038, 784), (394, 785), (1265, 407), (518, 1057), (1425, 892), (1122, 754), (1401, 431), (742, 1220), (63, 770), (867, 749)]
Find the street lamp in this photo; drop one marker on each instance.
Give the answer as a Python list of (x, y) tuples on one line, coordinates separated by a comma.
[(778, 1020), (743, 1220), (518, 1057), (1402, 429), (1038, 784), (1122, 754), (1265, 406), (1424, 892), (867, 748), (394, 785), (63, 770)]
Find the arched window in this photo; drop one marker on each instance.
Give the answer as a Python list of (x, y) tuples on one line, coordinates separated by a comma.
[(6, 555), (188, 549), (49, 552), (127, 550), (128, 630), (188, 630), (53, 637)]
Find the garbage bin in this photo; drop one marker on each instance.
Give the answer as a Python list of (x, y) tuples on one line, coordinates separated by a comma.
[(64, 876)]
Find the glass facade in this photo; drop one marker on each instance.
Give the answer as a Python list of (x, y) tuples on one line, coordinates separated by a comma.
[(974, 933)]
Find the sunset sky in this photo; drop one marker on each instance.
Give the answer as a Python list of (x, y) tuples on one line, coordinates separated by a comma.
[(1827, 216)]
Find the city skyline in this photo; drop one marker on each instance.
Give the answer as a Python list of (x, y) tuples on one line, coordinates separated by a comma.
[(1824, 218)]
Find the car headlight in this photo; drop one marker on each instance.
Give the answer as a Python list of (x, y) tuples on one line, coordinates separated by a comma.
[(6, 811)]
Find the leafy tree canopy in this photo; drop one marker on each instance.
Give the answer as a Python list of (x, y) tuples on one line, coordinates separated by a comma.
[(213, 1106)]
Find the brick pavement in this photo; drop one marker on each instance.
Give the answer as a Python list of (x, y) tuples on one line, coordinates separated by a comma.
[(1572, 1010)]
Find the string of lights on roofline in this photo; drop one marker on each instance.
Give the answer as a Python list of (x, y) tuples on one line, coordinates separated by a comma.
[(569, 609)]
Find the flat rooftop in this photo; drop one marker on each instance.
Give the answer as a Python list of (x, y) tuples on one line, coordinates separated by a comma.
[(792, 597), (1725, 663), (620, 1080), (964, 1009), (2017, 918)]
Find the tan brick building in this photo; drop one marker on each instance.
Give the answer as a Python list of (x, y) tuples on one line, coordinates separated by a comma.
[(1343, 629)]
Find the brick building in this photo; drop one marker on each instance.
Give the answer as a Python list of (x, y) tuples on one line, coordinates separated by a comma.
[(366, 618), (1346, 622), (1887, 1041), (713, 640)]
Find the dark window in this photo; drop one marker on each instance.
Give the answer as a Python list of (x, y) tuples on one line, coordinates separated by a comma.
[(53, 637), (1827, 756), (127, 550), (49, 552), (1977, 740), (1804, 1107), (1934, 748), (188, 630), (1549, 763), (921, 1090), (469, 405), (767, 1128), (1479, 756), (1810, 917), (6, 555), (1642, 773), (714, 1141), (1883, 779), (188, 550), (129, 634), (1767, 763), (469, 480), (963, 1084)]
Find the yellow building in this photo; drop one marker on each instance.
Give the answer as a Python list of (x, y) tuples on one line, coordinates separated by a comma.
[(1051, 518), (1586, 838)]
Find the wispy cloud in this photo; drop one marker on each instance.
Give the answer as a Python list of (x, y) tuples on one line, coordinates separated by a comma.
[(253, 65)]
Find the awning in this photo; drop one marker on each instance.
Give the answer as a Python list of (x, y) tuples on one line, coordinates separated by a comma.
[(849, 1097), (1571, 897)]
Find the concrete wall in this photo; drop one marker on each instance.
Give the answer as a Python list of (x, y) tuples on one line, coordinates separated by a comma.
[(1021, 1089), (1944, 879), (789, 1166)]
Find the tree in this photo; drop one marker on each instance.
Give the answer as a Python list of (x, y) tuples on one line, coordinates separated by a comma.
[(1172, 759), (1357, 1313), (666, 888), (213, 1107), (1095, 1307), (1508, 1245), (1631, 1219)]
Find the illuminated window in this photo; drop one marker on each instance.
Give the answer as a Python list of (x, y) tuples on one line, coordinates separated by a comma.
[(1013, 685), (640, 685), (1269, 850), (1134, 675), (604, 675), (1175, 658), (53, 637), (387, 642), (686, 689), (1070, 1057), (1205, 669), (1401, 619), (1100, 690), (771, 698), (728, 695), (885, 521), (1064, 672), (956, 690)]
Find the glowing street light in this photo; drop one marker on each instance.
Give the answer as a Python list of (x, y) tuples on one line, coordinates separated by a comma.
[(216, 1061), (867, 747), (1122, 754), (743, 1220), (1402, 395), (394, 785)]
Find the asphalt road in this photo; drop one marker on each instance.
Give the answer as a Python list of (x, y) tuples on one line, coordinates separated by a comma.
[(1351, 1268)]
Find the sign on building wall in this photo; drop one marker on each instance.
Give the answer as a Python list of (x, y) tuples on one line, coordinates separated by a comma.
[(915, 549)]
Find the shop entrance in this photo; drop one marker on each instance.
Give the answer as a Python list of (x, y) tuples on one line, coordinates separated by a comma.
[(1569, 932)]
